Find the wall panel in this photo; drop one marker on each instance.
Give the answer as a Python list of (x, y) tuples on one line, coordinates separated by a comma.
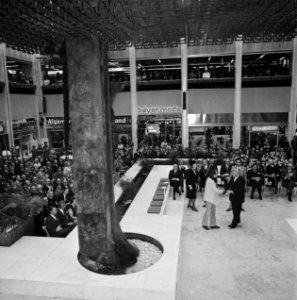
[(2, 107), (22, 106)]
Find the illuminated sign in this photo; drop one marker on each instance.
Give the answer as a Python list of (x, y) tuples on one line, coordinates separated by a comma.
[(122, 120), (153, 128), (150, 110), (265, 128), (59, 121)]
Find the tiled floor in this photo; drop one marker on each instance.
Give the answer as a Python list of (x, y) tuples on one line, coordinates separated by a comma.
[(256, 261)]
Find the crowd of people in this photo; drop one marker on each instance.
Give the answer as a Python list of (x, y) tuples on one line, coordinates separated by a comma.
[(240, 173), (46, 180), (47, 175), (19, 77), (56, 79)]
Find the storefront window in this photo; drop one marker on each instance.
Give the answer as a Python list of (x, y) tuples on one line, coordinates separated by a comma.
[(57, 139), (153, 130)]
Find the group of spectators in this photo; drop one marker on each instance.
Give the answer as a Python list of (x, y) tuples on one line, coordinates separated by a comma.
[(196, 72), (46, 180), (47, 175), (56, 79), (19, 77)]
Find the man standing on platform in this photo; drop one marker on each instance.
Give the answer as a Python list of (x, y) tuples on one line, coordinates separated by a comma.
[(236, 185), (175, 177)]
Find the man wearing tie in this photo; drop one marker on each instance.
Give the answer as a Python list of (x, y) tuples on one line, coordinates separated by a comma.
[(236, 185)]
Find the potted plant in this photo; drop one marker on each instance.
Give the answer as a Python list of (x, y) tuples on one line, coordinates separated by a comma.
[(15, 218)]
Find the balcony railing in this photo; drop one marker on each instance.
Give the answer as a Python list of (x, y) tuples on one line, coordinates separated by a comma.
[(21, 88), (197, 83)]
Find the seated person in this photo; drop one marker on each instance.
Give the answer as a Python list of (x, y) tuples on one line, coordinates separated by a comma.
[(270, 174), (175, 177), (54, 226), (62, 216), (70, 210), (256, 180), (39, 217)]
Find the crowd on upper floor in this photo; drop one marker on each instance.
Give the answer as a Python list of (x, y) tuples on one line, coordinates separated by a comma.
[(19, 77), (56, 79), (220, 71)]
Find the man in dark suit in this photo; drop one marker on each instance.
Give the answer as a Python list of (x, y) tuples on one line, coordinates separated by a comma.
[(256, 180), (191, 176), (62, 216), (175, 179), (236, 185), (48, 186), (54, 226)]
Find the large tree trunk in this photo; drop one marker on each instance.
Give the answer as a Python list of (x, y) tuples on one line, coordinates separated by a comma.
[(102, 245)]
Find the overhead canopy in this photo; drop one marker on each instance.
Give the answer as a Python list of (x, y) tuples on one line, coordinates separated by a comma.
[(33, 25)]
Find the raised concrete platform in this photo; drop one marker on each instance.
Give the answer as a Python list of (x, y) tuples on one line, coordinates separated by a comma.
[(47, 268)]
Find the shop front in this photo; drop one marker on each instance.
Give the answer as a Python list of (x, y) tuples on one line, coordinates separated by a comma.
[(122, 130), (215, 130), (264, 129), (156, 124), (4, 143), (55, 132), (25, 136), (210, 130)]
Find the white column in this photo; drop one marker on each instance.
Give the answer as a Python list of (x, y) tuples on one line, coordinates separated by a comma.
[(4, 77), (237, 95), (133, 96), (293, 96), (37, 79), (184, 92)]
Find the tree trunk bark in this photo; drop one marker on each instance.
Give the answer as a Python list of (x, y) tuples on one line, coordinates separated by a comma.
[(103, 247)]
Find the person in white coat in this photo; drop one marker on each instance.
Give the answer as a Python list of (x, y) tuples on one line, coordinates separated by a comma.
[(211, 198)]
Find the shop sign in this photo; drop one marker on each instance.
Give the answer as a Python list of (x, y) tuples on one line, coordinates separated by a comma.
[(150, 110), (122, 120), (265, 128), (55, 122), (24, 124)]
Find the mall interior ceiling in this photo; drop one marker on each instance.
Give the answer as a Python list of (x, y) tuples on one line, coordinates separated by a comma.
[(35, 26)]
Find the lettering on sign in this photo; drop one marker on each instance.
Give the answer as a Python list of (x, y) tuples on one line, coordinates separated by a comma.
[(149, 110), (55, 121), (122, 120)]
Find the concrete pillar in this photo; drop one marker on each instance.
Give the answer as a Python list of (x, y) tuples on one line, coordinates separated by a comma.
[(4, 77), (133, 96), (184, 92), (37, 79), (293, 97), (237, 95)]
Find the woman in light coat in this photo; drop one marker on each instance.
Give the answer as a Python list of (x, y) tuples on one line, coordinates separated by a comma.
[(211, 197)]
